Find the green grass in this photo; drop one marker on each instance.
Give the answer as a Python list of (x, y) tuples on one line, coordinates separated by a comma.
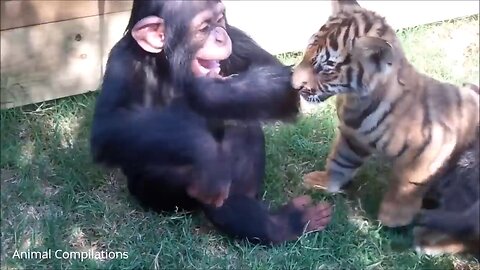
[(53, 197)]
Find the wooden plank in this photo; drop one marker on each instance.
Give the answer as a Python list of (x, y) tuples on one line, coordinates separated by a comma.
[(23, 13), (54, 60)]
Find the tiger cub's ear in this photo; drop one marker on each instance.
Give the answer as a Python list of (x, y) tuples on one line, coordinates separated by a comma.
[(343, 5), (373, 51)]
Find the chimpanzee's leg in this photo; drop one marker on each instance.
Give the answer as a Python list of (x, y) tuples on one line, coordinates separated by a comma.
[(244, 215), (154, 190)]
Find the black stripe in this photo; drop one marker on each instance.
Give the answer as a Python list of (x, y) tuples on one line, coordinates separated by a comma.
[(343, 85), (459, 100), (368, 23), (387, 143), (371, 108), (333, 40), (426, 122), (343, 165), (360, 76), (355, 122), (327, 54), (349, 75), (424, 145), (355, 24), (383, 29), (402, 150), (444, 125), (373, 143), (357, 149), (472, 87), (349, 160), (377, 60), (385, 114), (347, 31), (344, 22), (345, 61), (426, 127)]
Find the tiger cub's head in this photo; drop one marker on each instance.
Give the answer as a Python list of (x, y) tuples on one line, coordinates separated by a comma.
[(350, 54)]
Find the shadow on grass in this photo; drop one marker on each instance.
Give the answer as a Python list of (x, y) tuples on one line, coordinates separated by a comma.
[(53, 196)]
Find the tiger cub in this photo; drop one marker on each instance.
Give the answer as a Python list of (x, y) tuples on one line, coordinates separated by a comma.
[(385, 107)]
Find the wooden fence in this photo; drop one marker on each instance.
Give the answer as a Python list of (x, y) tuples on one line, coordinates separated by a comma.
[(53, 49)]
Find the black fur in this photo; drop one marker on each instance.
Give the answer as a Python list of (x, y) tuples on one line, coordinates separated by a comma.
[(165, 129), (456, 194)]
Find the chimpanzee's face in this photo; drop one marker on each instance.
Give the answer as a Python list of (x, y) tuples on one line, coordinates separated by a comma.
[(208, 31), (194, 28)]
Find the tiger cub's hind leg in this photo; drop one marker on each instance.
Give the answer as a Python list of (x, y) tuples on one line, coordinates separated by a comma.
[(403, 199), (345, 158)]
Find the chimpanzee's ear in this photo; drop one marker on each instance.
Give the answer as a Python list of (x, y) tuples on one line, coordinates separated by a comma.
[(149, 33)]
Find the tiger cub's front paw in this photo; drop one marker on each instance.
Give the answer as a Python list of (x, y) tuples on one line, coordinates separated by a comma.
[(320, 180)]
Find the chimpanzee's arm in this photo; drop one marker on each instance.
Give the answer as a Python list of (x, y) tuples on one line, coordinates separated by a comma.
[(452, 222), (260, 93), (145, 137)]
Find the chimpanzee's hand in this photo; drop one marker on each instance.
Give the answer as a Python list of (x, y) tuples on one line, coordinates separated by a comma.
[(276, 77), (274, 89), (213, 192)]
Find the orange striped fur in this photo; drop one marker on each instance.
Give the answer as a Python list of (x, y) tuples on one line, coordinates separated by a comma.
[(385, 107)]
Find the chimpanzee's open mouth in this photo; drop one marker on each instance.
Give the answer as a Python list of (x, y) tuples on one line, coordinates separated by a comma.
[(205, 67)]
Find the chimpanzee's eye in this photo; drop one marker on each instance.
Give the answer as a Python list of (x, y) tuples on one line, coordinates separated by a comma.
[(204, 28), (221, 19)]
